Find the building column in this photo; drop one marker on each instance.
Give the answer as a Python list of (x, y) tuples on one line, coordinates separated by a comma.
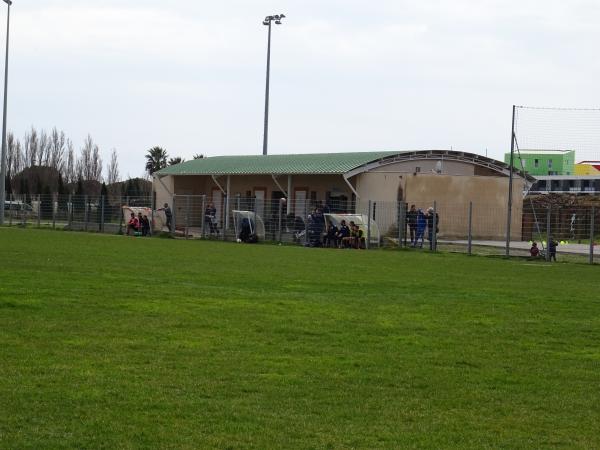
[(227, 202)]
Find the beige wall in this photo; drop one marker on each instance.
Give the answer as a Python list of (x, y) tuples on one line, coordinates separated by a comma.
[(163, 189), (452, 195)]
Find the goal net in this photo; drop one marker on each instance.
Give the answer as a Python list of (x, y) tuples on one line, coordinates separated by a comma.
[(247, 223)]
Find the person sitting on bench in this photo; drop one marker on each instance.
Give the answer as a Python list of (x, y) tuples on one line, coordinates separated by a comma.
[(133, 225)]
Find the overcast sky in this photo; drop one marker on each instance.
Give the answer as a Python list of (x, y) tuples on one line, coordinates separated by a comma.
[(347, 75)]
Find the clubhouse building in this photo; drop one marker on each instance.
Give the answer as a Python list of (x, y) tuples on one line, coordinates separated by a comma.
[(362, 182)]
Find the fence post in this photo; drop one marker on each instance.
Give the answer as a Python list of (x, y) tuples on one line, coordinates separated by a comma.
[(470, 237), (187, 216), (592, 233), (39, 207), (102, 213), (70, 212), (368, 243), (548, 230), (434, 231), (173, 216), (10, 209), (225, 223), (306, 221), (402, 224), (279, 221), (152, 209), (54, 207), (85, 212), (203, 216)]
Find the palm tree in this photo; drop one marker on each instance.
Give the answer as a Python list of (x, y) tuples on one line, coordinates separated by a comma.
[(176, 160), (199, 156), (156, 159)]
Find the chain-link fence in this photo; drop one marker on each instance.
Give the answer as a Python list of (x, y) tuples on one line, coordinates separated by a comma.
[(567, 233)]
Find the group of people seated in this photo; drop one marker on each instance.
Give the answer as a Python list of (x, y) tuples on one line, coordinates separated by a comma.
[(344, 236), (535, 252), (138, 225)]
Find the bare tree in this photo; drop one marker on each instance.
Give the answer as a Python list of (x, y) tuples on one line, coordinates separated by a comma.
[(112, 169), (57, 149), (14, 160), (89, 164), (43, 155), (96, 165), (31, 144), (70, 169)]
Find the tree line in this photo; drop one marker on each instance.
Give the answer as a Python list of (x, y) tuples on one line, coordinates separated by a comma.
[(47, 162)]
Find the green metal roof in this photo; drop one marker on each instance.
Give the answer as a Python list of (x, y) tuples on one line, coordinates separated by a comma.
[(308, 163)]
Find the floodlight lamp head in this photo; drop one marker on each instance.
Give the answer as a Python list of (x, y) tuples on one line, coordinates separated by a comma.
[(278, 22), (8, 2), (282, 16)]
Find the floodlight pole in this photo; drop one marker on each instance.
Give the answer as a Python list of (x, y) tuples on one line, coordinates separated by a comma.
[(510, 183), (267, 22), (3, 162)]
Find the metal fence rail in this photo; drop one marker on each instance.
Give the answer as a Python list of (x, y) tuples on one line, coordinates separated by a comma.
[(567, 233)]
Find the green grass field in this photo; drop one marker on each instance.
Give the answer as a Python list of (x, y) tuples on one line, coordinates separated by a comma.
[(116, 342)]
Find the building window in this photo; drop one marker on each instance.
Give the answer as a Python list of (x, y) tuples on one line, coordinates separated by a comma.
[(549, 164), (417, 169), (536, 163)]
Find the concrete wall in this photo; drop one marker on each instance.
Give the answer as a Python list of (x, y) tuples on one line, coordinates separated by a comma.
[(452, 194)]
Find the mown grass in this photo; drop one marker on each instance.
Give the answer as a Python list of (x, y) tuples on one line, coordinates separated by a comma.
[(116, 342)]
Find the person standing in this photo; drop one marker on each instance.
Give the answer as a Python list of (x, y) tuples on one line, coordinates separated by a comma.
[(210, 218), (552, 244), (411, 220), (168, 215)]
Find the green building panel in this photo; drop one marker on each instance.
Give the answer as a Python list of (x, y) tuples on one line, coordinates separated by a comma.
[(556, 162)]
